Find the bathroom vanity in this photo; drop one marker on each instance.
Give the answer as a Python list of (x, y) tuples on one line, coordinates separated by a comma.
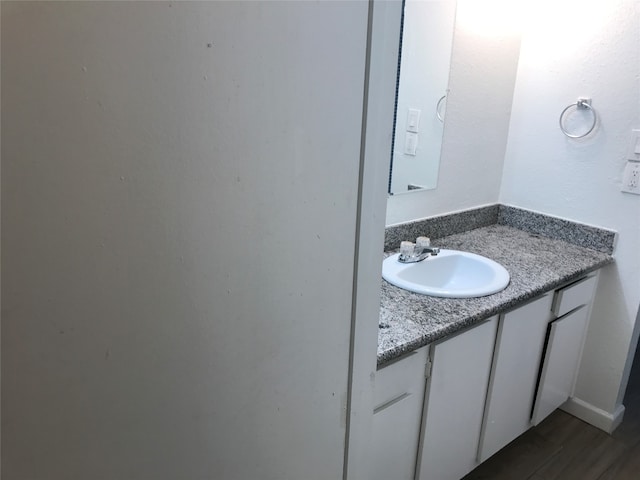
[(458, 379)]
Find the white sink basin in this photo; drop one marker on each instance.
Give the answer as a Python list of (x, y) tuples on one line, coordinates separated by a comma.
[(452, 274)]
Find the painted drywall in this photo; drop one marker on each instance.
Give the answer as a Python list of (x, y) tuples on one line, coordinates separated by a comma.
[(177, 178), (0, 256), (427, 38), (384, 43), (560, 60), (483, 70)]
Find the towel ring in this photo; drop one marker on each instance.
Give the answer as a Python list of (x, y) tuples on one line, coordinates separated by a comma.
[(581, 104), (438, 114)]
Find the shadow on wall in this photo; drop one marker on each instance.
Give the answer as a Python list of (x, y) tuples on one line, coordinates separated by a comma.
[(609, 306), (633, 385)]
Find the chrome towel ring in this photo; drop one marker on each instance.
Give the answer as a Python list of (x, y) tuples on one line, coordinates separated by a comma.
[(438, 105), (581, 104)]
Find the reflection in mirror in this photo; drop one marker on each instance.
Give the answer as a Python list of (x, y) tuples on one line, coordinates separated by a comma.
[(427, 37)]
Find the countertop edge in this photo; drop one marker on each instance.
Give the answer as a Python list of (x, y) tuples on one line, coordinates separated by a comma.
[(442, 331)]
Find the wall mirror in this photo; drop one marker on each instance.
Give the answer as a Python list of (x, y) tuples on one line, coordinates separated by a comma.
[(425, 57)]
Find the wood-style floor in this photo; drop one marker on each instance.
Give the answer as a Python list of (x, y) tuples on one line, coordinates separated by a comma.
[(565, 448)]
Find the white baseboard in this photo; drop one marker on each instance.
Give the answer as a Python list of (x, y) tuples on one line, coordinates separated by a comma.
[(593, 415)]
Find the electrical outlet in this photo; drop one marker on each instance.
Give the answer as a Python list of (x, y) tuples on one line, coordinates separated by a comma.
[(631, 178)]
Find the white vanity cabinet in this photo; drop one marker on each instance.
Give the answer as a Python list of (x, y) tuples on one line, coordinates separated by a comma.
[(485, 386), (535, 363), (398, 400), (516, 363), (564, 346), (454, 403)]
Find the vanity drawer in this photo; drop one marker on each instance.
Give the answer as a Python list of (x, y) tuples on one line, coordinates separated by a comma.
[(574, 295), (402, 377), (395, 431), (398, 401)]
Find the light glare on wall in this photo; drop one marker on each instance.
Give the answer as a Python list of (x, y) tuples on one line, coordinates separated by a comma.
[(566, 23), (490, 17), (563, 27)]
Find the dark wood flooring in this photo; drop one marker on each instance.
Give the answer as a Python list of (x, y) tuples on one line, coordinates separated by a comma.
[(565, 448)]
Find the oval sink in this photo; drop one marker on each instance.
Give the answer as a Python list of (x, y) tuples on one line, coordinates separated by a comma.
[(452, 274)]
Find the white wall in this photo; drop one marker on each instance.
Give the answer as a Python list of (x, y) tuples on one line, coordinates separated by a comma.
[(381, 84), (173, 304), (483, 69), (589, 49), (0, 257)]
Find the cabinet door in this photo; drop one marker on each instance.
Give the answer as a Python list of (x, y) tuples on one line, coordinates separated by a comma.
[(399, 396), (516, 364), (395, 433), (560, 363), (456, 393)]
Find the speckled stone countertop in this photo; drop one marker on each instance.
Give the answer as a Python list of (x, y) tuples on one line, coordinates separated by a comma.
[(536, 264)]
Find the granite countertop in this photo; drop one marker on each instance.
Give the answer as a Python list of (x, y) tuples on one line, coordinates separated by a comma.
[(537, 264)]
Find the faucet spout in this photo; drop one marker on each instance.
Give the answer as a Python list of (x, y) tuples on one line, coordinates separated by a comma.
[(413, 253)]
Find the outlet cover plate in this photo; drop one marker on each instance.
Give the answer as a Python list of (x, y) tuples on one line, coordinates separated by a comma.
[(631, 178)]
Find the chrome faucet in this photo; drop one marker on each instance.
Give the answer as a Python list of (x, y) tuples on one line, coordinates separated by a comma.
[(416, 252)]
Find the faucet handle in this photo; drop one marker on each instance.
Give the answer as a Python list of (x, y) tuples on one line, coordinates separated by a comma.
[(423, 242), (407, 249)]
